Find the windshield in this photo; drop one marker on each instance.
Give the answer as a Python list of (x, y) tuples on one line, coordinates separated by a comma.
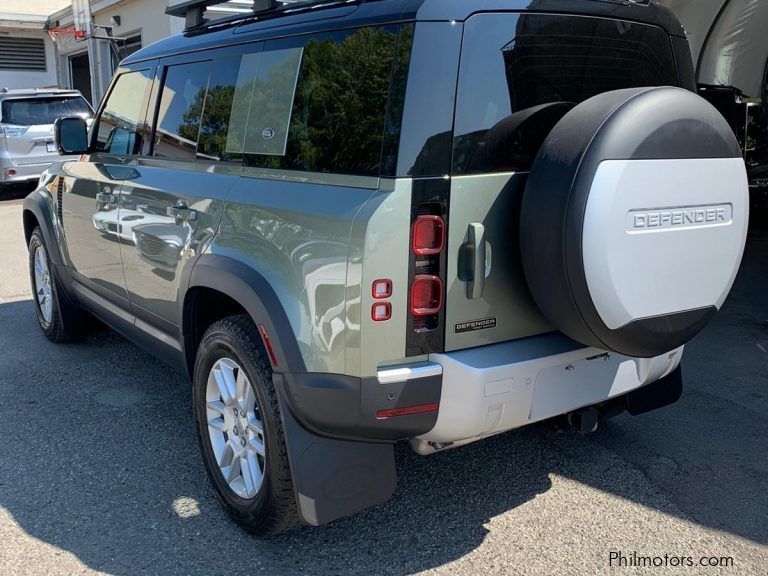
[(32, 111)]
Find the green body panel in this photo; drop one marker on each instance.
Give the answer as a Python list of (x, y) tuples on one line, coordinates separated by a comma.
[(296, 235), (491, 200), (379, 248), (93, 253), (156, 246)]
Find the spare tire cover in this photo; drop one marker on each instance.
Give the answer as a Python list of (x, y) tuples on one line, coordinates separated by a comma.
[(634, 220)]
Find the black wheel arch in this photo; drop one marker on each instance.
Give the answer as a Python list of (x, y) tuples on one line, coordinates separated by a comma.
[(248, 288), (37, 212)]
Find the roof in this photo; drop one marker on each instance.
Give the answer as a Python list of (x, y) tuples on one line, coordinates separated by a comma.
[(334, 14)]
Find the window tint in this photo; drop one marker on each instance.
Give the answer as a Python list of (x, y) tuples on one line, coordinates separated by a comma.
[(270, 110), (180, 111), (218, 123), (521, 73), (338, 86), (28, 112), (121, 127)]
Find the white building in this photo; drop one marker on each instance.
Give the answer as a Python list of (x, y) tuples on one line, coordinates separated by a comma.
[(110, 29), (27, 54), (113, 30)]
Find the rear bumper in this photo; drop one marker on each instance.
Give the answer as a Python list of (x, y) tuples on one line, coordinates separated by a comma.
[(496, 388), (17, 173), (480, 391)]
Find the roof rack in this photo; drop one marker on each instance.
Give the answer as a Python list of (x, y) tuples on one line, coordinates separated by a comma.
[(193, 10)]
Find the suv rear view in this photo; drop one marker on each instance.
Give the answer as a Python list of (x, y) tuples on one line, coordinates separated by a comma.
[(359, 223), (26, 130)]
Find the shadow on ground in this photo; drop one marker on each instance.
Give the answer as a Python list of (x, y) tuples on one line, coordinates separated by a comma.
[(16, 191), (98, 457)]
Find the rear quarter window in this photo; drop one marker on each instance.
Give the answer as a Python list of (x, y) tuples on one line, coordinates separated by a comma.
[(521, 73), (318, 103)]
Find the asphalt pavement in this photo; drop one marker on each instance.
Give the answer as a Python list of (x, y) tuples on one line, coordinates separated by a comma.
[(100, 471)]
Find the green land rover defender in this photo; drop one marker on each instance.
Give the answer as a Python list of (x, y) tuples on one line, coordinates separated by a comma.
[(360, 222)]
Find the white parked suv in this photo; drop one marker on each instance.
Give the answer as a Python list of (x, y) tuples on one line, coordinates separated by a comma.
[(26, 130)]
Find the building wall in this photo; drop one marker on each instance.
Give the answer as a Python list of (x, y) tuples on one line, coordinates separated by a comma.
[(29, 79)]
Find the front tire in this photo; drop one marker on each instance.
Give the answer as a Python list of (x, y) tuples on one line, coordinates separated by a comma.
[(240, 430), (58, 318)]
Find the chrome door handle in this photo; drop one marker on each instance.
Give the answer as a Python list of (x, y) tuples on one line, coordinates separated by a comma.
[(476, 246), (106, 198), (181, 212)]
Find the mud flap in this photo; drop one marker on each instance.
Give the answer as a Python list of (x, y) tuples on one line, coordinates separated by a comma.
[(663, 392), (335, 478)]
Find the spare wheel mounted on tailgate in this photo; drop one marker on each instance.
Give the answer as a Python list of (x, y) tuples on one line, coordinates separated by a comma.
[(634, 220)]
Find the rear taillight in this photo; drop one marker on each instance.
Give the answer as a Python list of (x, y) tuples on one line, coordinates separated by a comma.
[(428, 237), (11, 130), (426, 295)]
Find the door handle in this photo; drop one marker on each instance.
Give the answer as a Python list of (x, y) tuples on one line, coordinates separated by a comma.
[(106, 198), (181, 212), (477, 250)]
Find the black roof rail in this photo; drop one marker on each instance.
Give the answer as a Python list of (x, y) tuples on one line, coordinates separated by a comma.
[(193, 10)]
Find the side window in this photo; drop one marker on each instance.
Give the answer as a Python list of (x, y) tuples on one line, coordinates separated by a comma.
[(317, 104), (520, 74), (219, 125), (121, 127), (180, 111)]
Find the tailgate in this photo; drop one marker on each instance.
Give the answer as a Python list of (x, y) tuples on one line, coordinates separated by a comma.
[(519, 75)]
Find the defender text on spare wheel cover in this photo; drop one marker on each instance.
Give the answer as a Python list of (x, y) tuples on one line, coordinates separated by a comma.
[(634, 220)]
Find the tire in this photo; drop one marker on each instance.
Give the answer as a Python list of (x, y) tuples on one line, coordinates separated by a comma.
[(58, 318), (634, 220), (234, 344)]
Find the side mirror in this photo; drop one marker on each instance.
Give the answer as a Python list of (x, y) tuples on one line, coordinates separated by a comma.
[(71, 135)]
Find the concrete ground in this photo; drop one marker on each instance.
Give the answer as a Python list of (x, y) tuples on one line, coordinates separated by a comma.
[(100, 472)]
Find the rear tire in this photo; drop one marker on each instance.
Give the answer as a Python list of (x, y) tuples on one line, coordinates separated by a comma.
[(58, 318), (242, 434)]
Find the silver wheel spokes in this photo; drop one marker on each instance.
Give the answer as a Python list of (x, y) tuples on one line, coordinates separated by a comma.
[(235, 429), (43, 289)]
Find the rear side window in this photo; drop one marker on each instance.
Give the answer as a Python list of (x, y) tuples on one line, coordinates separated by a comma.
[(316, 104), (216, 128), (520, 73), (32, 111), (121, 128), (180, 111)]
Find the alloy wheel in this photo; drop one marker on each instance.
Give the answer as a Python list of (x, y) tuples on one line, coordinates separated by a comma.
[(235, 428)]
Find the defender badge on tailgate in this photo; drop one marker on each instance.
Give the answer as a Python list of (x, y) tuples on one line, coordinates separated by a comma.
[(475, 325)]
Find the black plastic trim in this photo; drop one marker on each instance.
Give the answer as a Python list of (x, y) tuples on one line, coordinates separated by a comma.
[(335, 478), (340, 406), (662, 392), (253, 292), (36, 204)]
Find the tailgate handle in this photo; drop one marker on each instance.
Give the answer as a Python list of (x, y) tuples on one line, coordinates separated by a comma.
[(476, 247)]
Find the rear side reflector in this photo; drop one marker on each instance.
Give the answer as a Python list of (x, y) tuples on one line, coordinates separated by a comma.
[(428, 235), (426, 295), (381, 311), (268, 345), (382, 289), (407, 411)]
